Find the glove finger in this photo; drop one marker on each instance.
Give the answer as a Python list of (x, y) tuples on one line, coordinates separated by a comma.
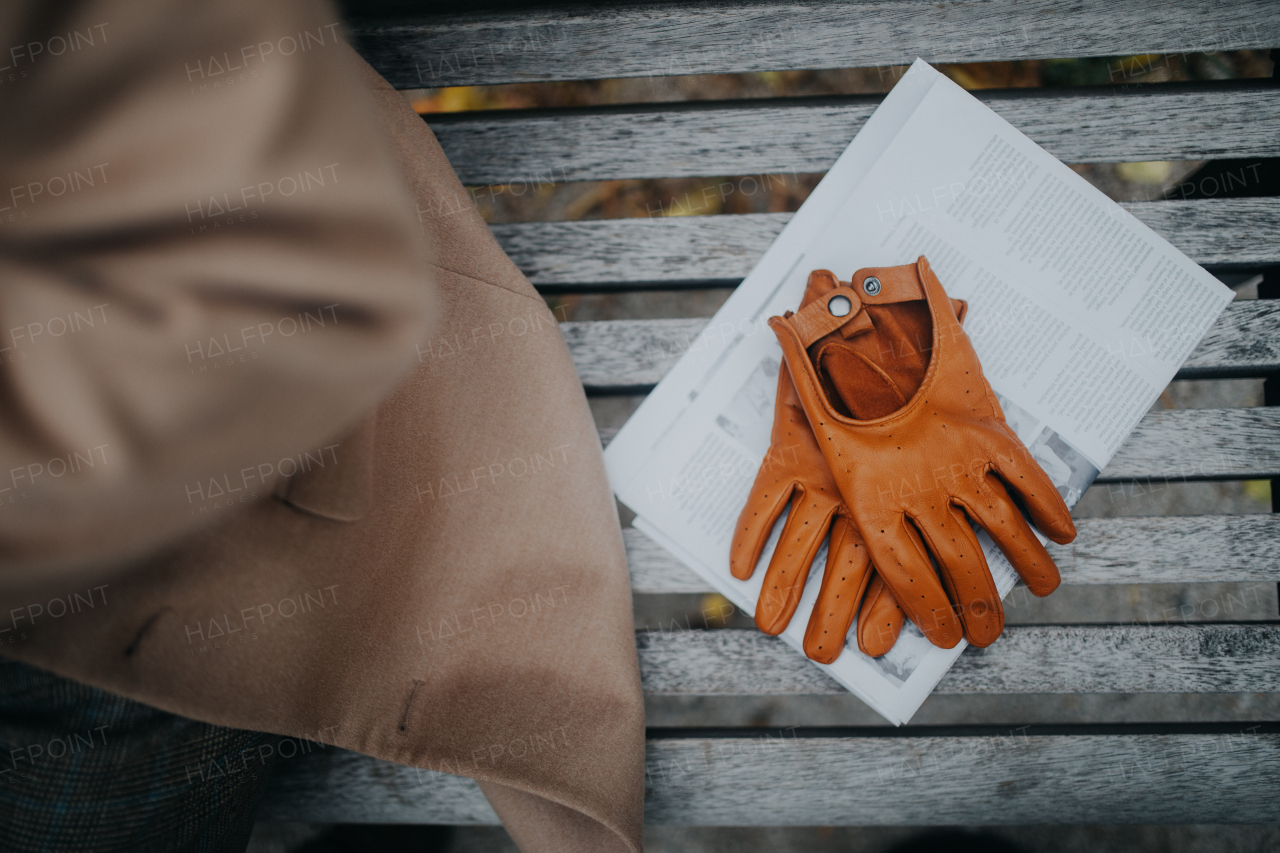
[(994, 510), (1036, 491), (843, 582), (798, 544), (766, 501), (880, 619), (901, 559), (965, 573)]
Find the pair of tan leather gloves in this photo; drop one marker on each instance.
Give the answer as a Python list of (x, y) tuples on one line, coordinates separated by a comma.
[(887, 436)]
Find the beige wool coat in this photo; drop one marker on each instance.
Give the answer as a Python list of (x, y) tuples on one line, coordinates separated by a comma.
[(286, 442)]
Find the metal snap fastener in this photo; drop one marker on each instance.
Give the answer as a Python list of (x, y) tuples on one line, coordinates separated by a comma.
[(871, 285), (839, 306)]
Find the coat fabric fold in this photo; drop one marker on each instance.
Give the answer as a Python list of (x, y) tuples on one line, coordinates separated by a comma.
[(438, 581)]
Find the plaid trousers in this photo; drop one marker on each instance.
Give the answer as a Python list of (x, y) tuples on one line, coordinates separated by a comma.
[(86, 770)]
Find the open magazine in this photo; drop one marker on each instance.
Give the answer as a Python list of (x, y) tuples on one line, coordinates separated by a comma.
[(1080, 314)]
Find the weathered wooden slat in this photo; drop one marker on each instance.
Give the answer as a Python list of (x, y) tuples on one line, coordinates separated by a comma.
[(707, 251), (1200, 444), (1010, 777), (1175, 445), (702, 38), (628, 354), (609, 254), (1189, 445), (337, 786), (1245, 341), (1206, 121), (993, 780), (636, 354), (1224, 658), (1218, 232), (1173, 549)]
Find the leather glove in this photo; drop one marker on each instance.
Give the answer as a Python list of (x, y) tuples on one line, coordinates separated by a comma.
[(914, 479), (880, 619), (794, 471)]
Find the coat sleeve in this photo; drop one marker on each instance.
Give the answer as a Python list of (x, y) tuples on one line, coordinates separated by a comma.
[(210, 265)]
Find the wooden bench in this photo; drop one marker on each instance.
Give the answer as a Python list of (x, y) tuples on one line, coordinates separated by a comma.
[(1104, 773)]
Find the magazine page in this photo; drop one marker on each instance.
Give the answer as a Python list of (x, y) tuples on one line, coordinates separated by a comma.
[(1080, 314)]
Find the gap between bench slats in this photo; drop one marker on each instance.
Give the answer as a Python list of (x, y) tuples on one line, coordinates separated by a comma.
[(708, 251), (1220, 658), (1172, 122), (767, 780), (1161, 549), (692, 38)]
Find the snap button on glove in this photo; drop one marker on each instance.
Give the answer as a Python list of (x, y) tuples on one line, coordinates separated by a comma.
[(912, 480), (794, 471)]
